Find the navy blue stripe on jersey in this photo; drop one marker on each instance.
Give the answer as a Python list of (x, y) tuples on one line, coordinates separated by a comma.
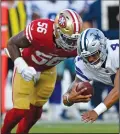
[(78, 58), (81, 43), (80, 73), (77, 69), (85, 40)]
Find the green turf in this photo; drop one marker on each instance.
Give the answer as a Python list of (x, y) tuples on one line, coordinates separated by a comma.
[(75, 128)]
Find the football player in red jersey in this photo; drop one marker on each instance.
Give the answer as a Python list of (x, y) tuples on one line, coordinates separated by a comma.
[(44, 44)]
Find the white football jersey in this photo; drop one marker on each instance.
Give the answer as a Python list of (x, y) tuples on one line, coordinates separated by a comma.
[(105, 75)]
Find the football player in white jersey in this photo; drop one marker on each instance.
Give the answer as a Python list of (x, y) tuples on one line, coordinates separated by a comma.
[(97, 60)]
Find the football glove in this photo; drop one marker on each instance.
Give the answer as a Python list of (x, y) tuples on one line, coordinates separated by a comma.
[(27, 72)]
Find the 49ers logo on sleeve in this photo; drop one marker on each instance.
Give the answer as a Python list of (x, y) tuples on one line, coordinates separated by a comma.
[(62, 21)]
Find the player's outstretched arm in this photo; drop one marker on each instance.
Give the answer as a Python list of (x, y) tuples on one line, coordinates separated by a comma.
[(72, 96), (113, 96), (16, 42)]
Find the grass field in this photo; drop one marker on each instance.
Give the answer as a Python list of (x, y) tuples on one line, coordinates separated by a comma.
[(74, 128)]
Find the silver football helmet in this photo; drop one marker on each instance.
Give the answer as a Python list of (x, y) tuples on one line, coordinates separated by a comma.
[(92, 42)]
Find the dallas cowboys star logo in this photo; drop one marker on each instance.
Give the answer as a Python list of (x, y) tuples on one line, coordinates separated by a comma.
[(96, 36)]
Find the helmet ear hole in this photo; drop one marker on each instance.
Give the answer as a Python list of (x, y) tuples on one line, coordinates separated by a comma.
[(93, 44), (67, 17)]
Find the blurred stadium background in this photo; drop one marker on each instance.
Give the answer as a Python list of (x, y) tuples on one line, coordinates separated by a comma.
[(56, 117)]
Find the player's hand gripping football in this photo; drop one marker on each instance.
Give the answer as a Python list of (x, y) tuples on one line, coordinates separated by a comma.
[(89, 116), (74, 96)]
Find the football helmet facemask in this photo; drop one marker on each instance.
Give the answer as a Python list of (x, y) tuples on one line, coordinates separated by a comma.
[(67, 26), (92, 42)]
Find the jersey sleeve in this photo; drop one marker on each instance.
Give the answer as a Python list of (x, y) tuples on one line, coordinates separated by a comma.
[(28, 32), (79, 69), (38, 31)]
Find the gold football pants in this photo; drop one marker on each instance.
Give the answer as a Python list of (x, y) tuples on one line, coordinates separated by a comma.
[(37, 94)]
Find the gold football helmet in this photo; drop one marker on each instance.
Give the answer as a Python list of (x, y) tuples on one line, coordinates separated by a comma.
[(67, 26)]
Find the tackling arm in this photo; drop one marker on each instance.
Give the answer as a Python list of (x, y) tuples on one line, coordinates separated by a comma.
[(13, 47), (16, 42)]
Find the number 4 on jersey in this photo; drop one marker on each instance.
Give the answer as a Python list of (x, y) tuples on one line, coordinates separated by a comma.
[(113, 46)]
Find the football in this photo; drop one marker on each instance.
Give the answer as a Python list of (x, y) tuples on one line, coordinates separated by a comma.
[(89, 87)]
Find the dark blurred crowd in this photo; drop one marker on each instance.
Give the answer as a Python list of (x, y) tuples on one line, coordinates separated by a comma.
[(95, 13)]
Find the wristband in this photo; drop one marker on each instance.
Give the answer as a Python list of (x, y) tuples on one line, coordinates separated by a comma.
[(20, 64), (67, 95), (101, 108), (68, 102)]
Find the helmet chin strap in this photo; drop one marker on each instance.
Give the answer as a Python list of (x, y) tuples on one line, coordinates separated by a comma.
[(97, 66), (55, 40), (57, 43)]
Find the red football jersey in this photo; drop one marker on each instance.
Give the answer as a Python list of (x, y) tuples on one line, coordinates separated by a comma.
[(42, 54)]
